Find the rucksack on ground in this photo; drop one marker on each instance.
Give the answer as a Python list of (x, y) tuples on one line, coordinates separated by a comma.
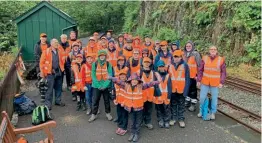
[(41, 115), (23, 105)]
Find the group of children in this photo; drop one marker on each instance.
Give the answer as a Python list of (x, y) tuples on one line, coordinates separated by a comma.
[(143, 75)]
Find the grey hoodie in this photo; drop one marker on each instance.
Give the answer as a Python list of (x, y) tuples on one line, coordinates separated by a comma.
[(193, 52)]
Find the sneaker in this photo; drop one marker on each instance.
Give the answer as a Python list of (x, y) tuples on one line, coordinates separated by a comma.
[(74, 98), (118, 131), (92, 118), (161, 124), (149, 126), (135, 139), (192, 108), (172, 122), (212, 116), (88, 112), (109, 117), (131, 137), (167, 125), (115, 120), (122, 132), (182, 124), (199, 115)]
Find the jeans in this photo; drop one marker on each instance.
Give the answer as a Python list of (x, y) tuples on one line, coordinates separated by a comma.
[(136, 121), (96, 99), (204, 89), (177, 104), (192, 94), (88, 94), (162, 112), (147, 112), (56, 84), (122, 115), (67, 73)]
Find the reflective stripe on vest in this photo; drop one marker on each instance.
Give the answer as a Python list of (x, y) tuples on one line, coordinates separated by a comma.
[(164, 92), (192, 66), (211, 74), (101, 72), (148, 94), (178, 79)]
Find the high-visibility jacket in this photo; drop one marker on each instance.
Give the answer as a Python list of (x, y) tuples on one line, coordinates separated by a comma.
[(127, 53), (101, 71), (148, 94), (133, 98), (43, 47), (192, 66), (78, 85), (93, 50), (86, 72), (112, 57), (117, 71), (211, 74), (150, 47), (71, 42), (46, 61), (154, 53), (120, 95), (163, 99), (177, 78), (65, 52), (135, 69)]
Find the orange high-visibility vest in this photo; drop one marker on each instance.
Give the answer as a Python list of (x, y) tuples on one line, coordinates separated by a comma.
[(46, 61), (135, 69), (127, 53), (112, 57), (93, 51), (43, 47), (164, 92), (178, 78), (154, 53), (65, 52), (120, 95), (167, 60), (150, 47), (133, 99), (101, 72), (211, 74), (148, 94), (78, 86), (87, 71), (192, 66)]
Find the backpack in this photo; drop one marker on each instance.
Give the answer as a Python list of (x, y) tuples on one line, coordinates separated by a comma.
[(205, 110), (41, 115), (23, 105)]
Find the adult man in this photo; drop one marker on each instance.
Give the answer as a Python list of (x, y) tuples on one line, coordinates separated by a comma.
[(101, 69), (128, 49), (65, 48), (133, 63), (193, 59), (73, 38), (51, 67), (40, 46)]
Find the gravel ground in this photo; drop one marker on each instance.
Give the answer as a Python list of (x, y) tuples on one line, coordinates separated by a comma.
[(241, 116), (29, 86), (243, 99)]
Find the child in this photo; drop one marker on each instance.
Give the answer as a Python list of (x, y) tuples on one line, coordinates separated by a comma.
[(122, 114), (77, 84), (133, 101), (162, 102), (87, 80), (148, 75), (179, 72)]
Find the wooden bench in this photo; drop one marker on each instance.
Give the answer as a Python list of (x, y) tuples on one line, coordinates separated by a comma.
[(8, 134)]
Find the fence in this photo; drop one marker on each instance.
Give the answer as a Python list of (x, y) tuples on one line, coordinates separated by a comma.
[(9, 86)]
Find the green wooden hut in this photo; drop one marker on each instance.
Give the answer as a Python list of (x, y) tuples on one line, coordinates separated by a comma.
[(43, 18)]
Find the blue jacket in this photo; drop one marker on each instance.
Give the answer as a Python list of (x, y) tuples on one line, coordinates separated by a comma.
[(187, 76)]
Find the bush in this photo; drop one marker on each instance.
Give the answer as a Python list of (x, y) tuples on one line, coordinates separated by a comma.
[(143, 31), (168, 34)]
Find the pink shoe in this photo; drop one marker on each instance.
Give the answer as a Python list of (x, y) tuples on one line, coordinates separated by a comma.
[(122, 132), (118, 130)]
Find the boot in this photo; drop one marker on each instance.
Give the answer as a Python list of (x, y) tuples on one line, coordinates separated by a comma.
[(192, 108), (78, 107)]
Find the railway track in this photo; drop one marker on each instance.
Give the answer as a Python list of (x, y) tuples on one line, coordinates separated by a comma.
[(244, 85), (238, 113)]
